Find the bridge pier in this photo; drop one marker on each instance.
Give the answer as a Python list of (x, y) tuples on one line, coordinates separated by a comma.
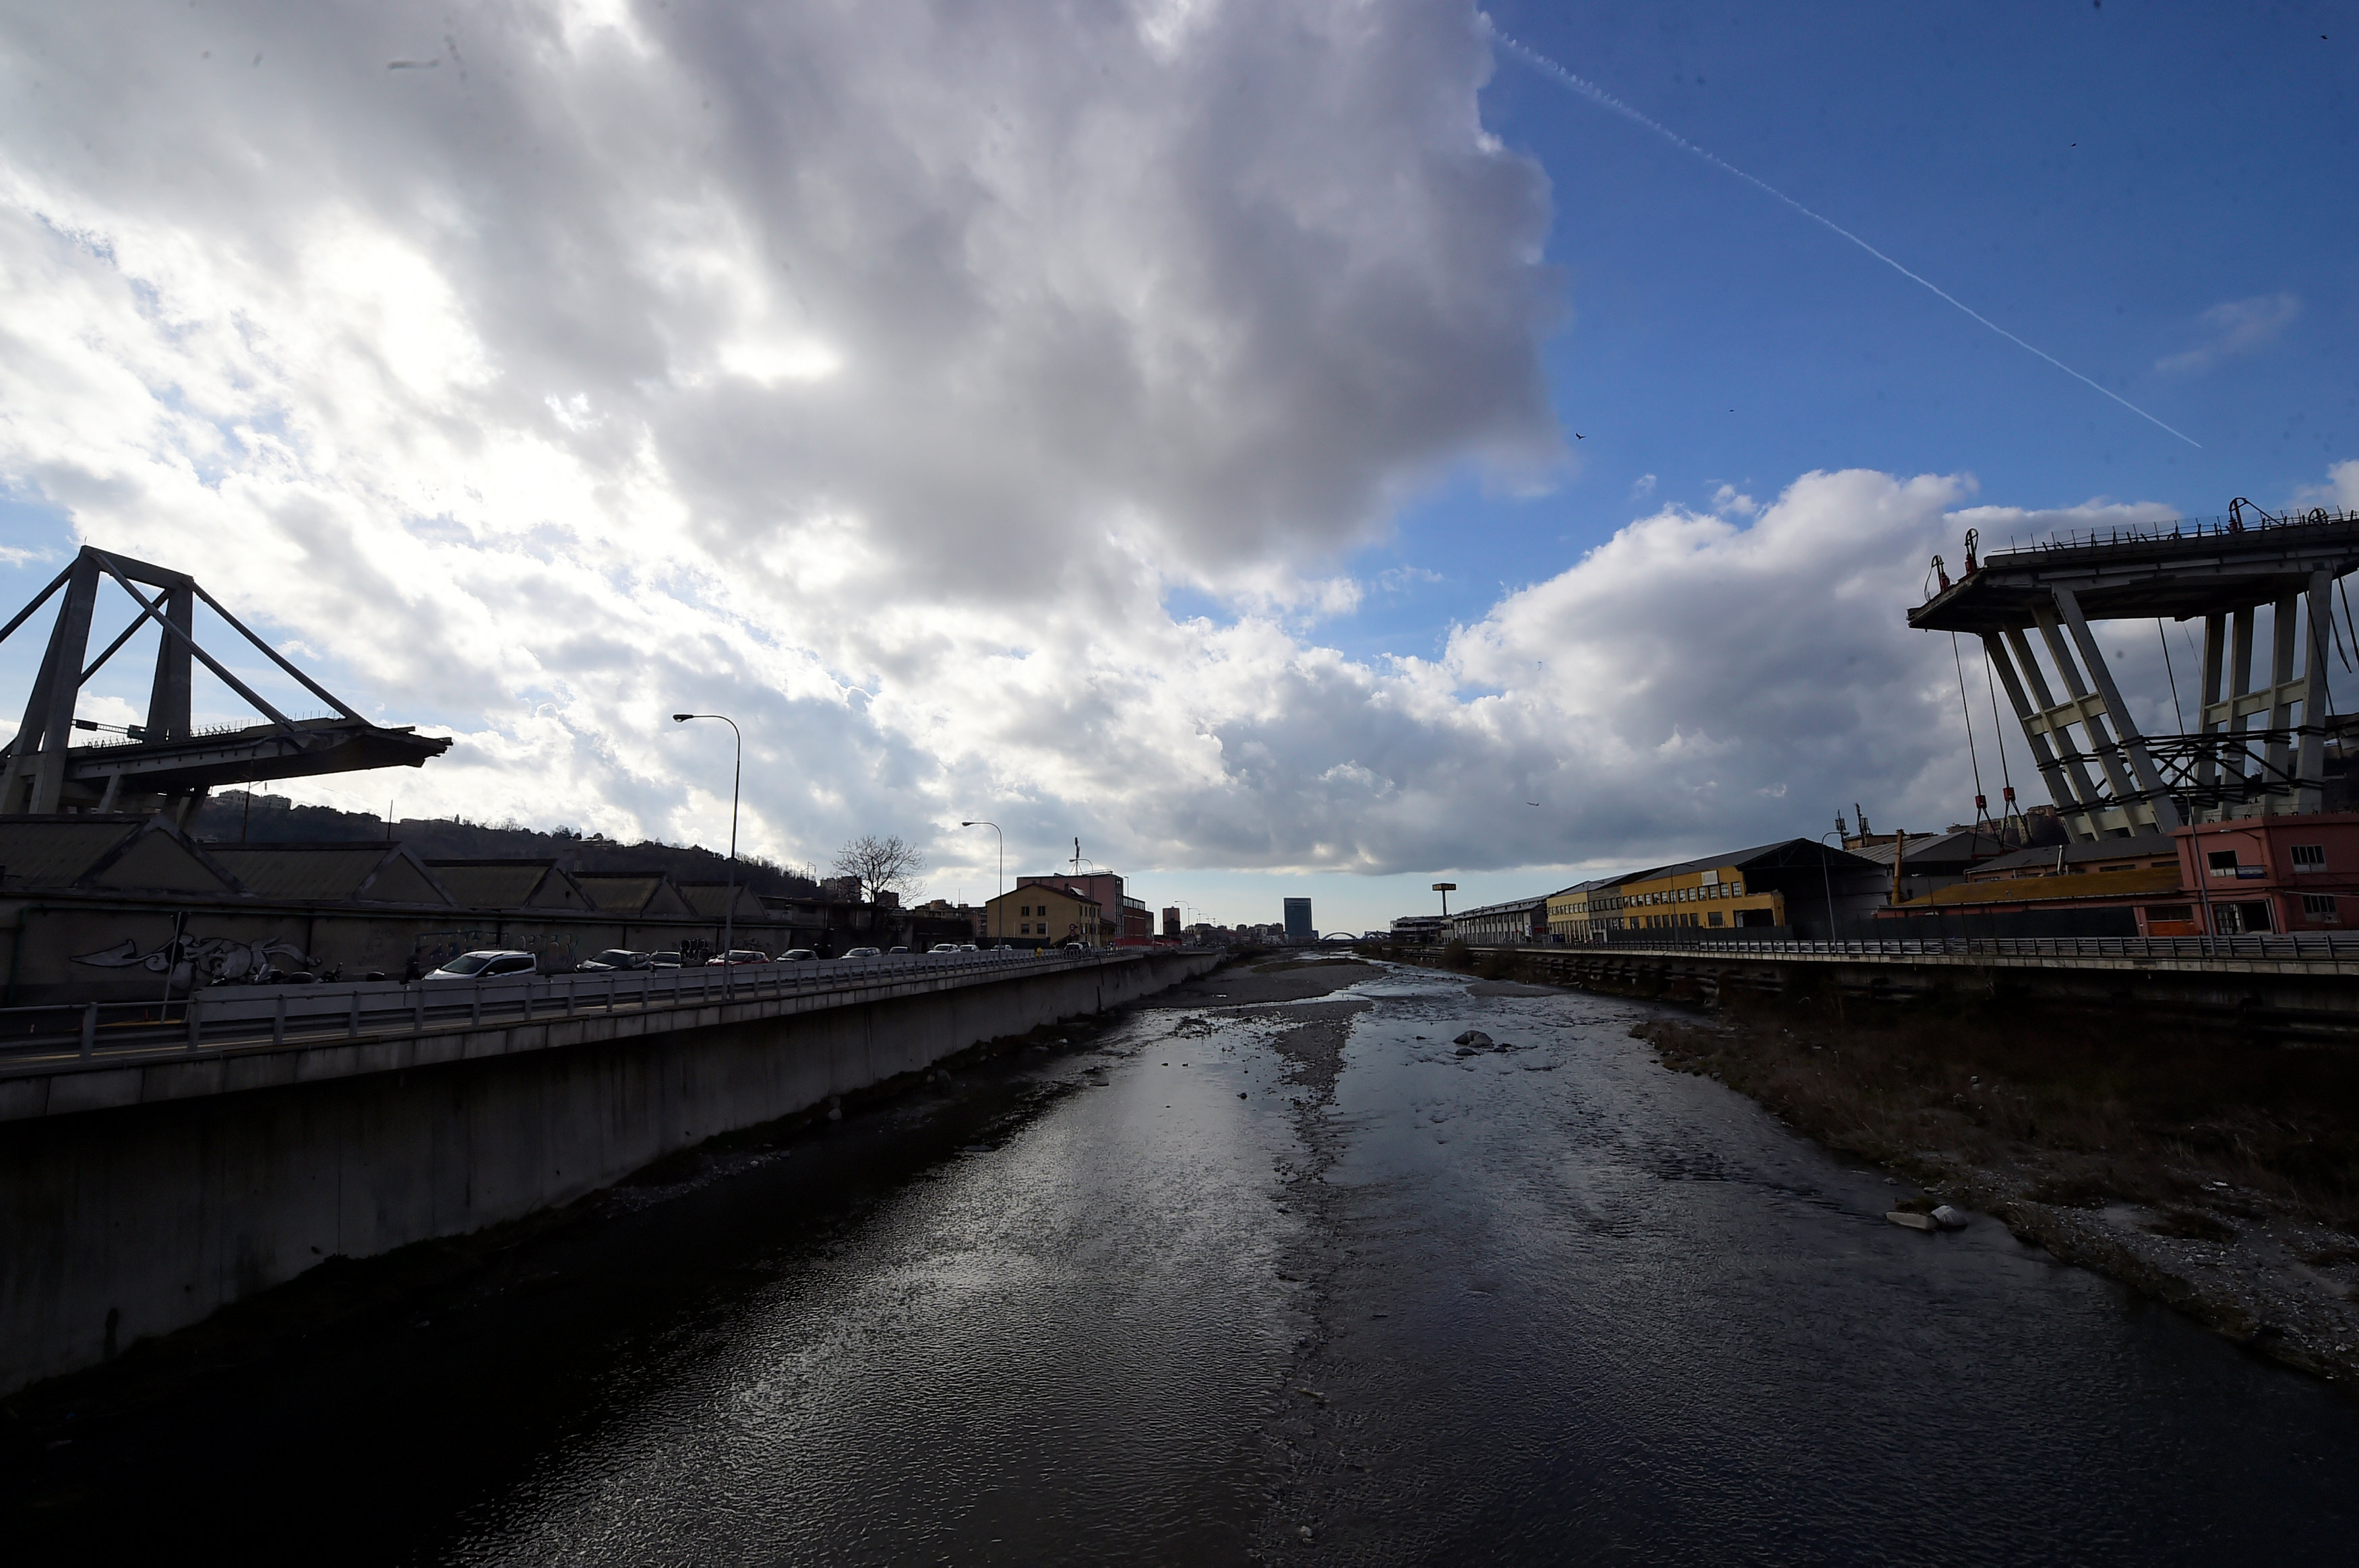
[(132, 1218)]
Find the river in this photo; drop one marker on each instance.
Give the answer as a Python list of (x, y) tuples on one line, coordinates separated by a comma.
[(1295, 1282)]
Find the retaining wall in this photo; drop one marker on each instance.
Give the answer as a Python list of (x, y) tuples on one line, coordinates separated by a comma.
[(131, 1219), (2282, 997)]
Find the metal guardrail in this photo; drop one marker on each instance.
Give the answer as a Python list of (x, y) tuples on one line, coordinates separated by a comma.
[(2332, 946), (222, 1018)]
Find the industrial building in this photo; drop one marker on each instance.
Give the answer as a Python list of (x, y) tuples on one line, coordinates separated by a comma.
[(1496, 925), (1579, 912)]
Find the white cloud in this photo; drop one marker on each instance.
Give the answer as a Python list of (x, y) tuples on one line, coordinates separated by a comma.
[(765, 356), (2234, 328), (2339, 493), (877, 377), (1643, 488)]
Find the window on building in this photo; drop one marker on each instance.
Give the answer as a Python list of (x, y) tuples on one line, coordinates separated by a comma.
[(2222, 861), (2310, 857), (2320, 907), (1715, 917)]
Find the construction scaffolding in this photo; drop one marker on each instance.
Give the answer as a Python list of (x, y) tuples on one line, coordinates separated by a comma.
[(2260, 748), (165, 763)]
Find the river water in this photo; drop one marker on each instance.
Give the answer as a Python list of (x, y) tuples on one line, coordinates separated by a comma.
[(1294, 1282)]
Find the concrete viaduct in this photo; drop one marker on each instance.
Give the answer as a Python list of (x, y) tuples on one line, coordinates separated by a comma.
[(155, 1166)]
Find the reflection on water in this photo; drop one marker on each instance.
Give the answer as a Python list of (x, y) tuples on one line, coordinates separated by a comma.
[(1543, 1304)]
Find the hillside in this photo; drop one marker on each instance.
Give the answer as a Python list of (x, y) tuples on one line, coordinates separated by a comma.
[(225, 819)]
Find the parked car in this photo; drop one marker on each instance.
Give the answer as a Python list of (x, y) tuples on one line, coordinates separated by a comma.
[(861, 953), (944, 948), (1077, 948), (796, 956), (737, 956), (614, 958), (968, 947), (889, 951), (663, 960), (491, 962)]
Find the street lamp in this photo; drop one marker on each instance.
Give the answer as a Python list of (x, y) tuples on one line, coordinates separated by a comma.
[(1826, 878), (736, 774), (998, 909)]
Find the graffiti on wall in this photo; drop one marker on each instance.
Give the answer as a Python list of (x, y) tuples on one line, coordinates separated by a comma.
[(199, 960), (433, 949)]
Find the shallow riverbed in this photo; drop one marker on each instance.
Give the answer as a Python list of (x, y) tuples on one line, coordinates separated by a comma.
[(1230, 1272)]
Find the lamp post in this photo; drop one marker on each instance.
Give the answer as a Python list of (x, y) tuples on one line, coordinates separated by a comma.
[(998, 909), (736, 774), (1826, 878)]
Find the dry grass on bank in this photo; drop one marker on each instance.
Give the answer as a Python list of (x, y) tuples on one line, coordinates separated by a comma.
[(2062, 1109)]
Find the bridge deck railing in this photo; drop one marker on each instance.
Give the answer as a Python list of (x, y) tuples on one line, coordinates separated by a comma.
[(217, 1018)]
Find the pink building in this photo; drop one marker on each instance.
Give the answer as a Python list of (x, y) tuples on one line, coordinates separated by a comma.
[(2269, 873)]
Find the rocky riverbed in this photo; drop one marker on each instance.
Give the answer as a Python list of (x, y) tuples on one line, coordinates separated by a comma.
[(2211, 1174)]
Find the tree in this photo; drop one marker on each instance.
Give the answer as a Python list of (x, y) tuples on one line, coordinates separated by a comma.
[(882, 865)]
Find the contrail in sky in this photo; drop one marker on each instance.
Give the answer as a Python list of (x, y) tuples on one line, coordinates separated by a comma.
[(1597, 95)]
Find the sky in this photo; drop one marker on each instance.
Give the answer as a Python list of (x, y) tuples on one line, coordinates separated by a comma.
[(1317, 449)]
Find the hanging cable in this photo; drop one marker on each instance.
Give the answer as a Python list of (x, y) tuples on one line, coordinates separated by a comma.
[(1981, 806), (2346, 612), (2006, 785), (2163, 637)]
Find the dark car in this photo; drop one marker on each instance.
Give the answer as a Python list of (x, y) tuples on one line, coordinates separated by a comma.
[(796, 956), (615, 958)]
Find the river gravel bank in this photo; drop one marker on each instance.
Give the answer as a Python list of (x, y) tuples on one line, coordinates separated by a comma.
[(2229, 1211)]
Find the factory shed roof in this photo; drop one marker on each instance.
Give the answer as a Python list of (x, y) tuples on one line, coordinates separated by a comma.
[(157, 857), (1594, 884), (510, 884), (709, 900), (54, 852), (1764, 857), (2046, 859), (1934, 853), (365, 872), (2142, 881), (1509, 906), (650, 895)]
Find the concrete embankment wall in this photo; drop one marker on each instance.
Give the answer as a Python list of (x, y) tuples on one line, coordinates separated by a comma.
[(2291, 997), (129, 1221)]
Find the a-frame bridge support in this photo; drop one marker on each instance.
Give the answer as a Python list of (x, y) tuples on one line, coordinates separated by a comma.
[(164, 764), (2260, 746)]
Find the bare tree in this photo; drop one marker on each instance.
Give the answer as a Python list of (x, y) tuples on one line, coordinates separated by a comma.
[(882, 865)]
